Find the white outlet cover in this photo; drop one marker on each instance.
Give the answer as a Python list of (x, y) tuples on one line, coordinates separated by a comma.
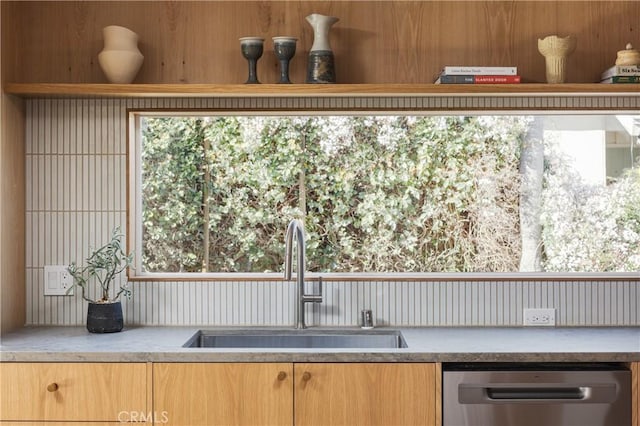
[(57, 280), (541, 317)]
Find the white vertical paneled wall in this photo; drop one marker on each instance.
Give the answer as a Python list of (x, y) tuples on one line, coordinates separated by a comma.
[(76, 193)]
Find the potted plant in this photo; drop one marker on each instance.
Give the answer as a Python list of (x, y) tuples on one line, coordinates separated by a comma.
[(104, 314)]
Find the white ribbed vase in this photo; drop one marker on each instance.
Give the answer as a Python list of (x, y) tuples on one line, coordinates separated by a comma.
[(120, 59), (555, 51)]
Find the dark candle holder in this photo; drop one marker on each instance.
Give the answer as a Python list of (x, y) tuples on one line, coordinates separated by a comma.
[(285, 49), (252, 48)]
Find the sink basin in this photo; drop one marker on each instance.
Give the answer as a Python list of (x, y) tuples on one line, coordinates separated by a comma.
[(370, 339)]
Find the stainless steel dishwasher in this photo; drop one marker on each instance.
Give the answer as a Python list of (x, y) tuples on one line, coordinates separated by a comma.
[(536, 394)]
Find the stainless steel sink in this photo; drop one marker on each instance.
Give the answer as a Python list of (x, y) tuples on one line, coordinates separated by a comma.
[(370, 339)]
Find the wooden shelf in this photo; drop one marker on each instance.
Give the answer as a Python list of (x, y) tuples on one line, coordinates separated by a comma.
[(57, 90)]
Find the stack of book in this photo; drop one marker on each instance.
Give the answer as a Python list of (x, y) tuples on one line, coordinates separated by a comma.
[(478, 75), (621, 74)]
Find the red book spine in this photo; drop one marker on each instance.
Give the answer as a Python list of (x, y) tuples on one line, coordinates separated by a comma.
[(496, 79)]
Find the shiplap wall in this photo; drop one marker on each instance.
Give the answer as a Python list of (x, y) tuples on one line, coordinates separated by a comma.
[(76, 193)]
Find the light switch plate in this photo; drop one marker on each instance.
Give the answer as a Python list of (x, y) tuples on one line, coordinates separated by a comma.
[(57, 281)]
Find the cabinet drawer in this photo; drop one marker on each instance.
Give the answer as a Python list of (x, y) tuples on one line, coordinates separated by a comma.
[(71, 391)]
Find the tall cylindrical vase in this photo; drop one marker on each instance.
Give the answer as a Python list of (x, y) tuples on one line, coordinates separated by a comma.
[(120, 59), (321, 66)]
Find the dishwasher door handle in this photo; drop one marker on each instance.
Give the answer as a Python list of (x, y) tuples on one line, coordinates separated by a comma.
[(551, 393), (523, 393)]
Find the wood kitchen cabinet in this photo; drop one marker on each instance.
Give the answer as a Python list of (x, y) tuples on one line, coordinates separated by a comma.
[(223, 393), (72, 392), (325, 393), (366, 394)]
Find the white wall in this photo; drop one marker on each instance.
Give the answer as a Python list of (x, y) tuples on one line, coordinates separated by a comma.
[(76, 193)]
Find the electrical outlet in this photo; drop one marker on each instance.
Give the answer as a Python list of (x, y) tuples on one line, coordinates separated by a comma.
[(57, 281), (544, 316)]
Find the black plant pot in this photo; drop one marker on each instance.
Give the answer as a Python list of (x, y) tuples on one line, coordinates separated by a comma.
[(104, 317)]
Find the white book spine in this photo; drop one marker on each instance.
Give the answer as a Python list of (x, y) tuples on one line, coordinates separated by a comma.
[(621, 70), (455, 70)]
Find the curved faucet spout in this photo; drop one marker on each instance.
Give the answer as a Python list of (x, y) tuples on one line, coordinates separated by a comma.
[(296, 228)]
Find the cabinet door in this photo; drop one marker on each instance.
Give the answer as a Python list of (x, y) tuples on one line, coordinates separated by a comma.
[(366, 394), (223, 393), (72, 391)]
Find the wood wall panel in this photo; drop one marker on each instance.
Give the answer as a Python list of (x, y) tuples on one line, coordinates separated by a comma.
[(12, 214), (374, 42), (635, 393), (12, 184)]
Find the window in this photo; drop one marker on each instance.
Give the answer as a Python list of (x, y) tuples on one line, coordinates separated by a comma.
[(387, 193)]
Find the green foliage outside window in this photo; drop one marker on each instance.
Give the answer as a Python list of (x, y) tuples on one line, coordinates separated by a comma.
[(377, 194)]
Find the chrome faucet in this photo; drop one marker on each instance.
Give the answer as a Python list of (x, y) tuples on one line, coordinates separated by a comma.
[(296, 228)]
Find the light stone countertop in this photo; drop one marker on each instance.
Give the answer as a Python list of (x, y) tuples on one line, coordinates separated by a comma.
[(441, 344)]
